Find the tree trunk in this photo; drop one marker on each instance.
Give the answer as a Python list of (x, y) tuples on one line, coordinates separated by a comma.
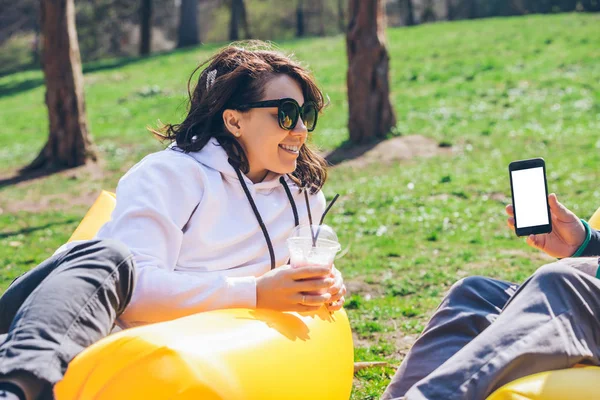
[(234, 21), (370, 112), (410, 13), (568, 5), (472, 11), (244, 19), (69, 142), (341, 19), (542, 6), (145, 27), (450, 10), (321, 12), (116, 32), (188, 24), (519, 7), (238, 14), (300, 18), (35, 46), (502, 8), (428, 14), (591, 5)]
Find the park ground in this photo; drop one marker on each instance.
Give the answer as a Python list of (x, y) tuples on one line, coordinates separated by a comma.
[(415, 214)]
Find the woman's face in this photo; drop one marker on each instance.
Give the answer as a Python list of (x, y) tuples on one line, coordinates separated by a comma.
[(268, 146)]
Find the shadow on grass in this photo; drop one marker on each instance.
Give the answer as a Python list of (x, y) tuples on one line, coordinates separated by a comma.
[(30, 229), (5, 71), (350, 151), (92, 66), (24, 176), (12, 88)]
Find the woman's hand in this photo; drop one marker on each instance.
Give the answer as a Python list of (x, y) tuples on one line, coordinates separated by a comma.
[(568, 233), (337, 290), (286, 288)]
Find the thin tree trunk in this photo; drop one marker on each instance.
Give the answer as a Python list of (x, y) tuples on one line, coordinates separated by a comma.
[(238, 14), (519, 7), (502, 8), (472, 9), (244, 19), (69, 142), (300, 18), (410, 13), (591, 5), (370, 112), (341, 19), (428, 14), (35, 46), (145, 27), (450, 10), (234, 20), (569, 5), (321, 11), (116, 32), (543, 6), (188, 24)]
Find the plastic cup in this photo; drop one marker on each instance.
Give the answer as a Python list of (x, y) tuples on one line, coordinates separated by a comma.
[(313, 245)]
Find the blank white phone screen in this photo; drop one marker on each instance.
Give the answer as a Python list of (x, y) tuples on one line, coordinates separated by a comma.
[(529, 192)]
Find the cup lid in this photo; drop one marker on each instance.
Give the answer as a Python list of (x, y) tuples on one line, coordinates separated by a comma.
[(318, 232)]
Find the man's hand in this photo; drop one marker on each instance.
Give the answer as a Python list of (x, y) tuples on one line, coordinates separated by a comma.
[(568, 233)]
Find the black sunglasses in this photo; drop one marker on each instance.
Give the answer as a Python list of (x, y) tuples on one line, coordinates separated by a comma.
[(289, 111)]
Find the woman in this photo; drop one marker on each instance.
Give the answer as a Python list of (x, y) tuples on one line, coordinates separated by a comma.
[(487, 332), (203, 223)]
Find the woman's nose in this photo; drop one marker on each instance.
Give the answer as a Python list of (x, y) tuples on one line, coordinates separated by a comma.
[(300, 129)]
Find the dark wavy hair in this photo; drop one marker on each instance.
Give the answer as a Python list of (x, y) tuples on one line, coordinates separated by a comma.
[(242, 70)]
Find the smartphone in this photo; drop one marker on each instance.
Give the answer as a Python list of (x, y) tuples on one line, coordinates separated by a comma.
[(530, 196)]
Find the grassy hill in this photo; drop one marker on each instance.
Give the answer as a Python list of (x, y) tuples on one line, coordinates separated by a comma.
[(491, 90)]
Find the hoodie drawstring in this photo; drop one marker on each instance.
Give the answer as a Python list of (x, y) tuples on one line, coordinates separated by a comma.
[(292, 202), (259, 218)]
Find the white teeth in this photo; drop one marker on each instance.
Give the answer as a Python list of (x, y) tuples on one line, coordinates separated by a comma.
[(290, 148)]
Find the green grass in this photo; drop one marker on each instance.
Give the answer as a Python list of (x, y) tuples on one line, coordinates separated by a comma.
[(496, 90)]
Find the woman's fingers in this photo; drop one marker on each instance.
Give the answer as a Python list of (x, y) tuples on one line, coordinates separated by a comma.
[(309, 272), (337, 285), (335, 296), (337, 305), (509, 210), (311, 285), (313, 299), (303, 308)]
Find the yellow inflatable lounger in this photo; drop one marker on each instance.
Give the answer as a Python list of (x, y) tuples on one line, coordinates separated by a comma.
[(227, 354), (574, 383)]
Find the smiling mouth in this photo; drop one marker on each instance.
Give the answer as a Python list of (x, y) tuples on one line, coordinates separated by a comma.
[(290, 149)]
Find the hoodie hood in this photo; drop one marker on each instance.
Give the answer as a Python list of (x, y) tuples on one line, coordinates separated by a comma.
[(214, 156)]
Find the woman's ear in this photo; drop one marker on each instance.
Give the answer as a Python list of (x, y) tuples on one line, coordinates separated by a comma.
[(232, 120)]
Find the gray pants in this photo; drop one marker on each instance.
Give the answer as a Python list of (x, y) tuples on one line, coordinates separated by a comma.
[(487, 333), (68, 302)]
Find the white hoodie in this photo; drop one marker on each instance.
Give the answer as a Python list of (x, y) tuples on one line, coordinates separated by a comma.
[(196, 242)]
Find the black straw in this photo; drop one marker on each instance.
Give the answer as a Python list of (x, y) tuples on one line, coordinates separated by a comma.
[(312, 233), (329, 207), (324, 214)]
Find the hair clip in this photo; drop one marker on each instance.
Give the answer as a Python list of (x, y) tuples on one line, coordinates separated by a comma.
[(210, 78)]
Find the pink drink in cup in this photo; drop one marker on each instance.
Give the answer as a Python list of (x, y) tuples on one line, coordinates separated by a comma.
[(313, 245)]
